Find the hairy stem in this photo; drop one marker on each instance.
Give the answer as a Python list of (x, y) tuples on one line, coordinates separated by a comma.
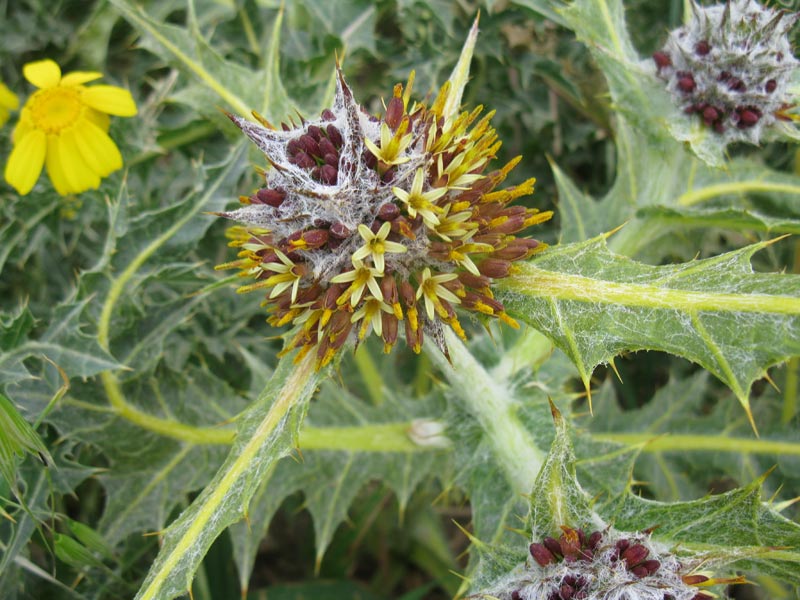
[(494, 406)]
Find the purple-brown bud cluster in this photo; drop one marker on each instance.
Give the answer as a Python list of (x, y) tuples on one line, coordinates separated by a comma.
[(605, 565), (380, 223), (731, 66)]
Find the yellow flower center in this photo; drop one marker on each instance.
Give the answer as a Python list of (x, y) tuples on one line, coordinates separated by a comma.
[(55, 109)]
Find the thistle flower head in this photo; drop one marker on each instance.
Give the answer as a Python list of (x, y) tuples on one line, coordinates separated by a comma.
[(63, 126), (606, 565), (368, 222), (731, 66)]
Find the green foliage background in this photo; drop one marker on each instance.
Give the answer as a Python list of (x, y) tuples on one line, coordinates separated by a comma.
[(128, 366)]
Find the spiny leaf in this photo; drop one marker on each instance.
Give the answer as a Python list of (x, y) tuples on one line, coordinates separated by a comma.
[(736, 528), (716, 312), (17, 438), (237, 86), (330, 471), (557, 498), (265, 434), (64, 343)]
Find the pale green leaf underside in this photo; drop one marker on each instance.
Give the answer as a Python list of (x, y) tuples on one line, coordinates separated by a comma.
[(716, 312)]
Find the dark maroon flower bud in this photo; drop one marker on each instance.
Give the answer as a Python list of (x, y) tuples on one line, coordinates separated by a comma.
[(403, 226), (662, 60), (331, 159), (310, 145), (328, 174), (702, 48), (581, 537), (339, 230), (640, 571), (293, 147), (515, 595), (724, 76), (389, 333), (719, 127), (315, 238), (622, 545), (651, 565), (747, 118), (478, 282), (770, 86), (394, 112), (327, 115), (686, 84), (388, 212), (635, 554), (542, 555), (369, 159), (710, 114), (326, 147), (566, 592), (389, 290), (315, 132), (388, 176), (694, 579), (335, 136), (494, 268), (303, 160), (553, 545), (272, 197), (514, 251), (594, 540)]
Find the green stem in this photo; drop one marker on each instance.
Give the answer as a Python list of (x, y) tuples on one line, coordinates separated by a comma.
[(533, 281), (686, 443), (736, 187), (388, 437), (369, 374), (494, 406)]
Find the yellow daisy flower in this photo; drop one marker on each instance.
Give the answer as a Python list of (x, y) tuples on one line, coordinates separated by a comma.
[(8, 102), (64, 126)]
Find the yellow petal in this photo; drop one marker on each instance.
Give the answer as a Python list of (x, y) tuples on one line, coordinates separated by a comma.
[(78, 171), (25, 163), (79, 77), (42, 73), (55, 168), (3, 115), (102, 120), (97, 149), (8, 99), (110, 99), (23, 127)]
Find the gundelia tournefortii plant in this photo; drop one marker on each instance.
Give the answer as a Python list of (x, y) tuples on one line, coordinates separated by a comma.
[(458, 388)]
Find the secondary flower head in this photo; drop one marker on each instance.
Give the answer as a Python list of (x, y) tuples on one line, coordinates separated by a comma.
[(732, 65), (606, 565), (63, 126), (8, 102), (368, 222)]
